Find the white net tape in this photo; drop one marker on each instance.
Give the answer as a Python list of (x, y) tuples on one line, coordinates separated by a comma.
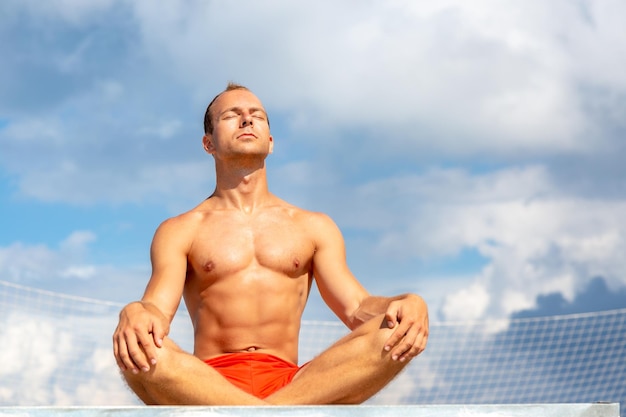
[(56, 350)]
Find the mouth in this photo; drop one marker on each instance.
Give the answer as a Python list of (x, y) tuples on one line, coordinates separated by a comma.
[(246, 135)]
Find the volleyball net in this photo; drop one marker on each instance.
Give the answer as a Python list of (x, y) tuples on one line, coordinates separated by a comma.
[(57, 351)]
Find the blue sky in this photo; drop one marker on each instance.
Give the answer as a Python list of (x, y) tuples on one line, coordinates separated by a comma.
[(471, 152)]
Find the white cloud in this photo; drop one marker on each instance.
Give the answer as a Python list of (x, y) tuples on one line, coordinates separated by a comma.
[(44, 358), (505, 75), (467, 303), (530, 250), (408, 79), (79, 272), (470, 84), (66, 268), (17, 260), (534, 238), (77, 241), (479, 104), (104, 385)]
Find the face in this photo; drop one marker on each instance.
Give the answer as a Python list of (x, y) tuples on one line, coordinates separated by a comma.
[(240, 126)]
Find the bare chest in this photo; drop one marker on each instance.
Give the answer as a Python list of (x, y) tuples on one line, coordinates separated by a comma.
[(230, 245)]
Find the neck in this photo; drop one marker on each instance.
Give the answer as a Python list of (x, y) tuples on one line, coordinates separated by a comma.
[(243, 188)]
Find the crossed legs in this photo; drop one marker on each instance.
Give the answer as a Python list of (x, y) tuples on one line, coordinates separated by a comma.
[(349, 372)]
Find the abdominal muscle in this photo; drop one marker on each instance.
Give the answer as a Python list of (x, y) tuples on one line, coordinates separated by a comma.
[(245, 316)]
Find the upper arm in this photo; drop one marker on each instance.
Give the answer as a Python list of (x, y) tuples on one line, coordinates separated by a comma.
[(337, 285), (168, 255)]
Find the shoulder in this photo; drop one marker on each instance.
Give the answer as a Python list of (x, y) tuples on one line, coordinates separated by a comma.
[(308, 218), (317, 220), (182, 226), (319, 226), (182, 221)]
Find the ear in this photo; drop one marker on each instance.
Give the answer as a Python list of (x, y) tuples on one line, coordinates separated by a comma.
[(207, 143), (271, 144)]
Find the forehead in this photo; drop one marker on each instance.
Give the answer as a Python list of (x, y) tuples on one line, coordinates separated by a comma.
[(236, 99)]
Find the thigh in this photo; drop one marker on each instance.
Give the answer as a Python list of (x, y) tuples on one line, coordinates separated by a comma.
[(180, 378), (349, 372)]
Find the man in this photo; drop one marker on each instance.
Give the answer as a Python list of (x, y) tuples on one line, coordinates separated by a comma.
[(244, 261)]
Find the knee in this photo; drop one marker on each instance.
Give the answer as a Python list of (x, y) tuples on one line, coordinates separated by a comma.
[(164, 358), (373, 335), (372, 341)]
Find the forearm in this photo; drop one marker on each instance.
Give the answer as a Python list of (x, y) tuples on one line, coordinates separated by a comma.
[(151, 306), (144, 306), (372, 306), (163, 301)]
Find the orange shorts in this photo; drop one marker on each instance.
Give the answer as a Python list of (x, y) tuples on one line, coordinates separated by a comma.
[(259, 374)]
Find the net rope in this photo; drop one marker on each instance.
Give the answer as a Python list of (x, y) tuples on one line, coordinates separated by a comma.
[(56, 350)]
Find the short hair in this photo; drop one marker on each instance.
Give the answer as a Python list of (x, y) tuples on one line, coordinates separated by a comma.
[(208, 117)]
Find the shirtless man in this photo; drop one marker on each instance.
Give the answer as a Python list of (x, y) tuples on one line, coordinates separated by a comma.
[(244, 261)]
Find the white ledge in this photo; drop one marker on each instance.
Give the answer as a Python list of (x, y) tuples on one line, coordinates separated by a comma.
[(500, 410)]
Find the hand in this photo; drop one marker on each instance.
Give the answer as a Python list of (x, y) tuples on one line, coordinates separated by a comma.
[(409, 317), (139, 333)]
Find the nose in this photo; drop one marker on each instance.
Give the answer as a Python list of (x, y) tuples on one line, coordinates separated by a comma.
[(246, 120)]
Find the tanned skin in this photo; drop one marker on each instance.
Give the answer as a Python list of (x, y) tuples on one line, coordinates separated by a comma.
[(244, 261)]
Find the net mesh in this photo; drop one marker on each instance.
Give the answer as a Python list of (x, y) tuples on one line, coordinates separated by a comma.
[(56, 350)]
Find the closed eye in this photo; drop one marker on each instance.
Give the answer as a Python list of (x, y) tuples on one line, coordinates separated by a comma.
[(259, 114)]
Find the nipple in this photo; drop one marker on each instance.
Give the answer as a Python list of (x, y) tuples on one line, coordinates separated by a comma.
[(208, 266)]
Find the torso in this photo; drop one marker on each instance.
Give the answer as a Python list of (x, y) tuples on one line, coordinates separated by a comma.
[(248, 279)]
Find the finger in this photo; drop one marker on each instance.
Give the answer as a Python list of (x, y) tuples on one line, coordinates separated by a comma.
[(417, 348), (116, 351), (149, 350), (414, 343), (120, 351), (403, 347), (391, 320), (408, 342), (391, 316), (158, 333), (396, 337), (124, 359), (143, 352), (132, 352)]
